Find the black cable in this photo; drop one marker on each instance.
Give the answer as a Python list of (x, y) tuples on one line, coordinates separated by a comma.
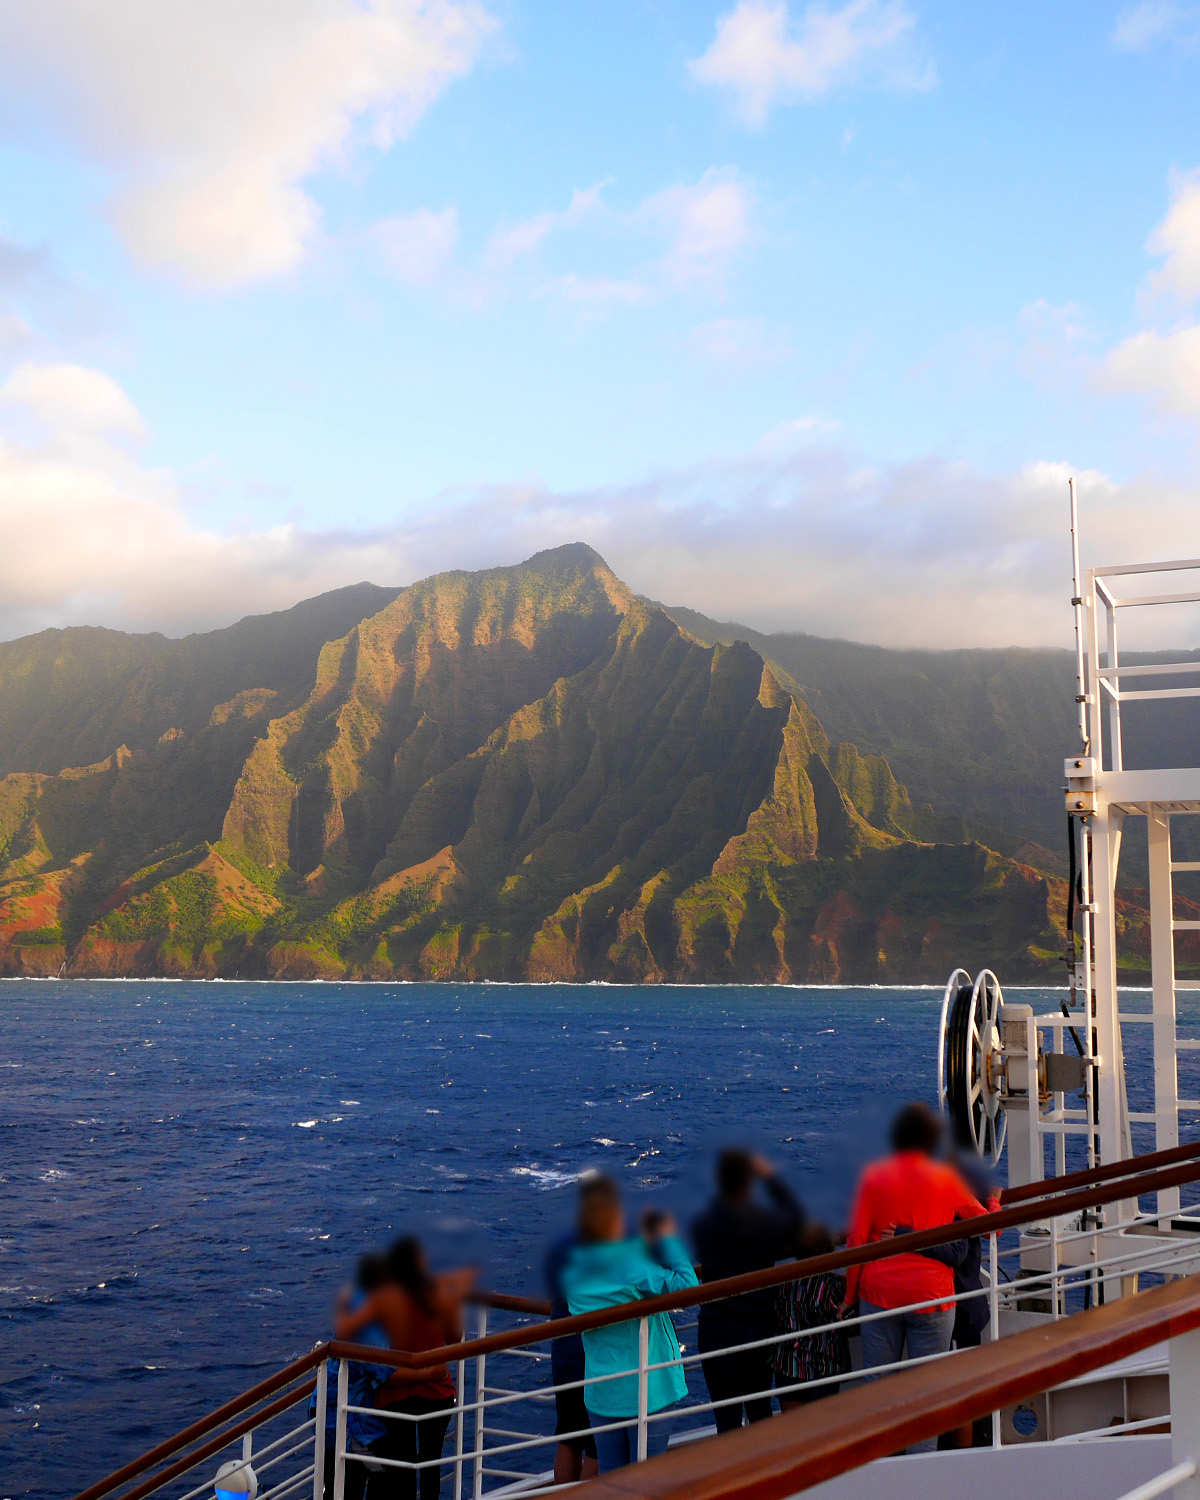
[(1066, 1010), (1072, 876)]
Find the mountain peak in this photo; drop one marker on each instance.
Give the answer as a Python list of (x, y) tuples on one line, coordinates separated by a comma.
[(518, 772), (577, 555)]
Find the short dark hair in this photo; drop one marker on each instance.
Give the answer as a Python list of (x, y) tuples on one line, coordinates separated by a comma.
[(735, 1172), (372, 1271), (917, 1128)]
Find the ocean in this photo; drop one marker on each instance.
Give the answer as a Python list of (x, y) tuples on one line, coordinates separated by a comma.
[(189, 1170)]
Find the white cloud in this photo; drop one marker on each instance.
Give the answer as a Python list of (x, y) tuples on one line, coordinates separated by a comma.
[(1177, 239), (687, 235), (598, 294), (795, 534), (213, 116), (735, 345), (708, 223), (784, 437), (510, 242), (1163, 366), (761, 57), (1145, 25), (70, 400), (417, 247), (91, 535)]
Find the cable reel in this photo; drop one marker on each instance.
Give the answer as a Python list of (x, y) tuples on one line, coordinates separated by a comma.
[(971, 1063)]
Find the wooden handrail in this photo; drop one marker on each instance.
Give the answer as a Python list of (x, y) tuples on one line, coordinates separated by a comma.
[(220, 1440), (537, 1307), (1059, 1203), (794, 1270), (1132, 1166), (772, 1460), (204, 1425)]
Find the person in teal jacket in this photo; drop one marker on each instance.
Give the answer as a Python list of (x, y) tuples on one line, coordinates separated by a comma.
[(606, 1269)]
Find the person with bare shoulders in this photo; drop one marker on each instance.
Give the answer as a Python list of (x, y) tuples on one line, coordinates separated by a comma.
[(418, 1312)]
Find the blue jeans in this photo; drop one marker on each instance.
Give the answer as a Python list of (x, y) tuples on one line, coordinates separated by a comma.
[(619, 1447), (885, 1339)]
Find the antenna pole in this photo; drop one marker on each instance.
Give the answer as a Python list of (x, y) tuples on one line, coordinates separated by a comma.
[(1077, 602)]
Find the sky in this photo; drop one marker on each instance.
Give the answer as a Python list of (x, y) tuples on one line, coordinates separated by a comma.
[(800, 314)]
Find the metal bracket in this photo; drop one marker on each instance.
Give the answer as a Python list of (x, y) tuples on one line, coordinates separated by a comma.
[(1081, 784)]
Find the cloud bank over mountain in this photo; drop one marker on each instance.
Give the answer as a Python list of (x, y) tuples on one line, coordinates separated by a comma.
[(801, 533)]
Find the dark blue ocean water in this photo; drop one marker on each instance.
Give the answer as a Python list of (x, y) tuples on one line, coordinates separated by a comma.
[(188, 1170)]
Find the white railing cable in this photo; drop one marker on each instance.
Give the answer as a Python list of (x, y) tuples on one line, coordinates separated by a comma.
[(1143, 1424), (1162, 1483), (261, 1468), (288, 1486)]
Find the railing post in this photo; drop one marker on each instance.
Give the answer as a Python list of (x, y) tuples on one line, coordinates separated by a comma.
[(319, 1432), (1054, 1273), (643, 1419), (993, 1314), (1184, 1355), (339, 1441), (480, 1390), (460, 1413)]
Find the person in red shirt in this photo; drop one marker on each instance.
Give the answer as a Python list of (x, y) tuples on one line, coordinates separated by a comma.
[(908, 1190)]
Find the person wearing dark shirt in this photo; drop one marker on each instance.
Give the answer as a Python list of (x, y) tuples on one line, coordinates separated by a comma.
[(738, 1232)]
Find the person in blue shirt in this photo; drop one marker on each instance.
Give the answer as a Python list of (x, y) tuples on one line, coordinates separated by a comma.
[(363, 1381), (609, 1268), (575, 1456)]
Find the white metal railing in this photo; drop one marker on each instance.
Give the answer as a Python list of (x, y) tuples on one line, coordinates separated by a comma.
[(502, 1440), (494, 1412), (298, 1448)]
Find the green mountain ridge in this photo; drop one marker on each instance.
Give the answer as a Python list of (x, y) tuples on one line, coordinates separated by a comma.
[(977, 733), (521, 773), (74, 696)]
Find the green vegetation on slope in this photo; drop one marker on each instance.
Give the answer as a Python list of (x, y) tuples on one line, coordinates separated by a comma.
[(979, 735), (524, 772)]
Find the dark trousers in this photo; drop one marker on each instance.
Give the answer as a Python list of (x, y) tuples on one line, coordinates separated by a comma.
[(355, 1486), (356, 1477), (731, 1375), (414, 1442)]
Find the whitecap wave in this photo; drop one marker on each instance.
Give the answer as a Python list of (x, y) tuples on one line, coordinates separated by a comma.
[(546, 1178)]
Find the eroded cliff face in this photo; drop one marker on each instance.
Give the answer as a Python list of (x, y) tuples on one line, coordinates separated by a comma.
[(520, 773)]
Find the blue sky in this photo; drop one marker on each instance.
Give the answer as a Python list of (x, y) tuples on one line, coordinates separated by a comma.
[(801, 314)]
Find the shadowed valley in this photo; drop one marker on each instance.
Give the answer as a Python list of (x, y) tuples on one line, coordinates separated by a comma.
[(523, 773)]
